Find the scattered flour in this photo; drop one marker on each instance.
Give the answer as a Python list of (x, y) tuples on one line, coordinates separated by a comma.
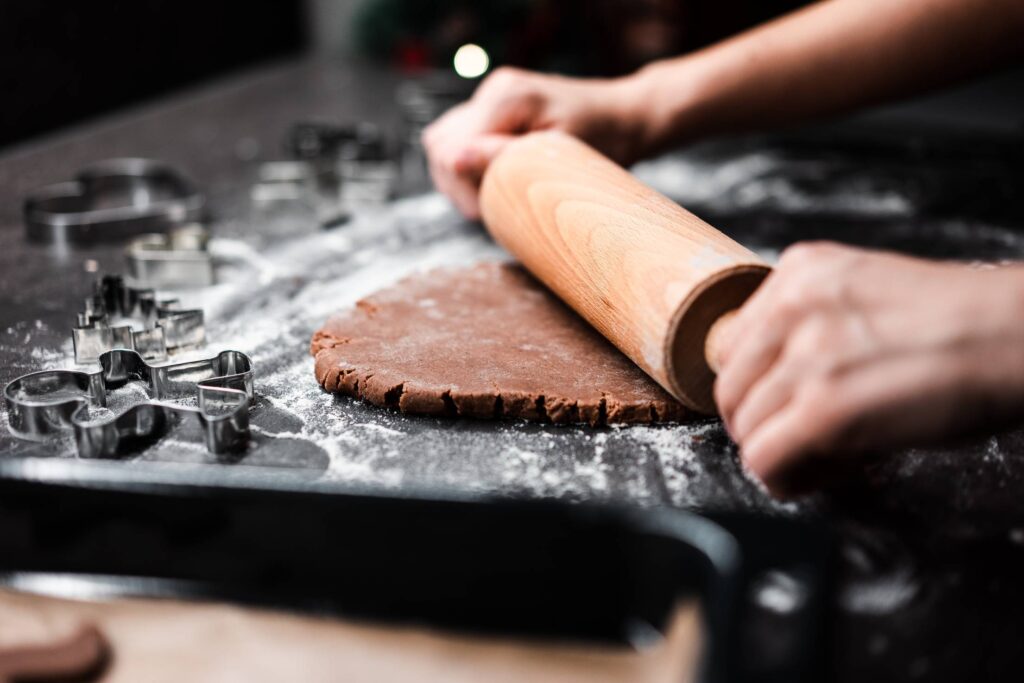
[(766, 179)]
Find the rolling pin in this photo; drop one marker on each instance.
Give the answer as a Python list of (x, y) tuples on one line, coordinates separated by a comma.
[(650, 276)]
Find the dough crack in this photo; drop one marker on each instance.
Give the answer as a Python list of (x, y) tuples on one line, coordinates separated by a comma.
[(450, 409), (393, 396), (324, 340), (541, 408)]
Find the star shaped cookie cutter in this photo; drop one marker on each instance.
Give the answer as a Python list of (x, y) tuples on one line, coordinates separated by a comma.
[(46, 404), (121, 317)]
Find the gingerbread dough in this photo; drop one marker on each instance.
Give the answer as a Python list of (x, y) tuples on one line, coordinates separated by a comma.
[(484, 342)]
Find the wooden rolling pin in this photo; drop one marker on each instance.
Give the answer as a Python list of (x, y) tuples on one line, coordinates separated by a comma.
[(649, 275)]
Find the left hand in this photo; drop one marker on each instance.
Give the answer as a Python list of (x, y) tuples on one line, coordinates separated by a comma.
[(844, 350), (608, 114)]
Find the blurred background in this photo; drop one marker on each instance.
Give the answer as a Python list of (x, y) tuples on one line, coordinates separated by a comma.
[(65, 61)]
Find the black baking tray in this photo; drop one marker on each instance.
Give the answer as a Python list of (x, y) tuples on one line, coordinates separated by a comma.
[(482, 564)]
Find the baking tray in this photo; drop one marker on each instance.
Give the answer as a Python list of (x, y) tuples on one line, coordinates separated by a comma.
[(479, 564)]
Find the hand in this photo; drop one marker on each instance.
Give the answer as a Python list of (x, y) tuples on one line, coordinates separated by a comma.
[(844, 350), (511, 102)]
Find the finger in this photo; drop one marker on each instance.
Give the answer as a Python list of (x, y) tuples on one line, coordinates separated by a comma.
[(442, 155), (748, 314), (757, 348), (465, 196), (766, 397), (478, 153), (438, 176), (757, 336), (892, 402), (461, 192), (439, 126), (462, 196), (459, 165), (778, 443)]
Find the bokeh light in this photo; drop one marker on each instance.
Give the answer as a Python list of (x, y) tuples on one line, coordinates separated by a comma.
[(471, 61)]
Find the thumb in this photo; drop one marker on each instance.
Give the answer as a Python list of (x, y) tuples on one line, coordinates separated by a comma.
[(478, 154)]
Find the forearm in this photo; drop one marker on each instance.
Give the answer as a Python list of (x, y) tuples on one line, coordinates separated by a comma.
[(828, 58)]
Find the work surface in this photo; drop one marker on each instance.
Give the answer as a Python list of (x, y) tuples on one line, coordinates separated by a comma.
[(932, 541)]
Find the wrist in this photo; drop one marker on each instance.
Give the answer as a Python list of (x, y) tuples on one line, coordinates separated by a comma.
[(625, 101), (662, 100), (998, 315)]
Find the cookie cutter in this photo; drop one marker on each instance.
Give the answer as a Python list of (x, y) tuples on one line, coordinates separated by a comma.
[(118, 316), (285, 181), (367, 169), (171, 260), (112, 200), (318, 140), (42, 405)]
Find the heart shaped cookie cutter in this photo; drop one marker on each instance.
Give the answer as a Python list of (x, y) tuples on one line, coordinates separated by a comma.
[(42, 405), (112, 200)]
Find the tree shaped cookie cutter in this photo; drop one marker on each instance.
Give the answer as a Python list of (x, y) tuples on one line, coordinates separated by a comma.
[(121, 317), (46, 404)]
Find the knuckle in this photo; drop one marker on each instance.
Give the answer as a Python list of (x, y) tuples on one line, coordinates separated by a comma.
[(503, 71), (806, 286), (817, 349), (798, 254), (502, 78), (830, 291), (803, 254), (816, 334), (792, 300)]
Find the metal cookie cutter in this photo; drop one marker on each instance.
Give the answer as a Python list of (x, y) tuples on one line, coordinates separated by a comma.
[(121, 317), (44, 404), (285, 181), (112, 200), (175, 259)]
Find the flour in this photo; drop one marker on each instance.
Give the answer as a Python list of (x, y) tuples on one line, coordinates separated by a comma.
[(28, 338), (879, 595), (765, 179)]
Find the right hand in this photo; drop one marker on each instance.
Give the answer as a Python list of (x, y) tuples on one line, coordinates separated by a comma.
[(510, 102)]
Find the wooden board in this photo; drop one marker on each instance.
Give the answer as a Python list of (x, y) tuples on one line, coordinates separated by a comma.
[(154, 641)]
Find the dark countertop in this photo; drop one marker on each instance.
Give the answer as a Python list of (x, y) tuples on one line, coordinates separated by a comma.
[(932, 542)]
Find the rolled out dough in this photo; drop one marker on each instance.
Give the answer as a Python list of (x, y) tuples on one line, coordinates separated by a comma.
[(485, 342)]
